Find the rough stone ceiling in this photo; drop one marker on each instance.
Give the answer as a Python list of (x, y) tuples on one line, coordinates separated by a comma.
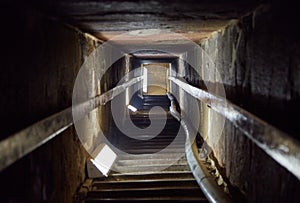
[(106, 19)]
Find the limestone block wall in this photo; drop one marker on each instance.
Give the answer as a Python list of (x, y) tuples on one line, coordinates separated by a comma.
[(257, 58), (39, 63)]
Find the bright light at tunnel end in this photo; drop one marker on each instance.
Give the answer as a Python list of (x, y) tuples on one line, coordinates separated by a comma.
[(87, 127)]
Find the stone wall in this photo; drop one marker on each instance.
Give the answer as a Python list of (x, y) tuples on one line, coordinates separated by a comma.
[(257, 58), (39, 63)]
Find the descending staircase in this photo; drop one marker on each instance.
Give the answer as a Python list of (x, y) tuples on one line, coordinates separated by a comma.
[(146, 102), (141, 178), (155, 100)]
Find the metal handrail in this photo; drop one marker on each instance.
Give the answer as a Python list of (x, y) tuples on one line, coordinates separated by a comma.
[(207, 182), (280, 146), (25, 141)]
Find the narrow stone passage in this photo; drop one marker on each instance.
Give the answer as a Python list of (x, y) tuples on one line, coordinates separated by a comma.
[(142, 175), (71, 70)]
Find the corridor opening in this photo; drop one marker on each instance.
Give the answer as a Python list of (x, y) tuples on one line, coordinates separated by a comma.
[(156, 78)]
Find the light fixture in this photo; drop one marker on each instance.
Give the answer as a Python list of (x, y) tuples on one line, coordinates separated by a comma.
[(132, 108), (104, 158)]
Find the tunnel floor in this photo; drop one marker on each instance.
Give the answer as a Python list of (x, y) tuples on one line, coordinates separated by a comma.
[(144, 175)]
